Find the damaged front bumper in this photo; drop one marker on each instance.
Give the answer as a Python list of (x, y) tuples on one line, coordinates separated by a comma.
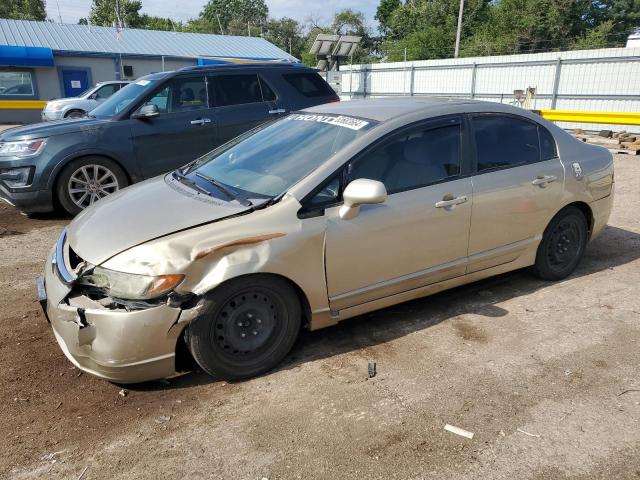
[(124, 346)]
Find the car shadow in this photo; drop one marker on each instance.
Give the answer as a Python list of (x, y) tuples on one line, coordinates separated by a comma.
[(612, 248)]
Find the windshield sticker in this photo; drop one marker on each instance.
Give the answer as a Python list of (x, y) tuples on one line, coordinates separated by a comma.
[(144, 83), (340, 121)]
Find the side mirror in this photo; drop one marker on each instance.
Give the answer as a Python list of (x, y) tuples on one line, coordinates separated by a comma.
[(361, 192), (147, 111)]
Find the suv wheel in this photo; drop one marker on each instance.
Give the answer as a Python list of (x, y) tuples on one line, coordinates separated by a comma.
[(562, 245), (246, 327), (86, 180)]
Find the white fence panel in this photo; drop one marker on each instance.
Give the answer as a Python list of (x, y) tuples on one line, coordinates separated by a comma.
[(596, 80)]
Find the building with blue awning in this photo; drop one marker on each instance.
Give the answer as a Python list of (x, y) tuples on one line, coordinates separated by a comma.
[(40, 61)]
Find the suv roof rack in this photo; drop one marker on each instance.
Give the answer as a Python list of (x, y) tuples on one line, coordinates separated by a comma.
[(241, 65)]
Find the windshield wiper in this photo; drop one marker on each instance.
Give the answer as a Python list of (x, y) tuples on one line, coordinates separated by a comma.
[(233, 196), (185, 181)]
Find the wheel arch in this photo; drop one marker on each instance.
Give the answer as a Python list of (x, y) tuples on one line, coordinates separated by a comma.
[(301, 296), (62, 165), (71, 110), (585, 209)]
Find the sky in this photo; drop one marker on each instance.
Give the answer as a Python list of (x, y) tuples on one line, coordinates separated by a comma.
[(72, 10)]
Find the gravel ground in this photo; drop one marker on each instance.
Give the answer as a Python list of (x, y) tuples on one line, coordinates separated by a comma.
[(544, 374)]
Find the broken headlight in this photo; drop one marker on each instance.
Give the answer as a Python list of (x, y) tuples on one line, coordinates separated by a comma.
[(129, 286)]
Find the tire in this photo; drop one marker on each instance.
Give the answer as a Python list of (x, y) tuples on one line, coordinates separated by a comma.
[(79, 175), (562, 245), (247, 326), (75, 114)]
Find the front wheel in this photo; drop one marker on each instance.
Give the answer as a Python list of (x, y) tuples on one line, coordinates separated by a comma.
[(75, 114), (86, 180), (562, 245), (247, 326)]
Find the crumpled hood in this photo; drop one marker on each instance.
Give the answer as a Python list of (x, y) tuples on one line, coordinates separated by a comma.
[(49, 129), (140, 213)]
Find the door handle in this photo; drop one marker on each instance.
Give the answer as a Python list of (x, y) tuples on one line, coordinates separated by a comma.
[(277, 111), (200, 121), (543, 180), (450, 202)]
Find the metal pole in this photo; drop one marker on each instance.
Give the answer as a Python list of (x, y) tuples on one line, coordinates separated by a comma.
[(459, 31), (411, 79), (219, 24), (556, 84), (364, 84), (473, 80), (163, 63), (351, 77)]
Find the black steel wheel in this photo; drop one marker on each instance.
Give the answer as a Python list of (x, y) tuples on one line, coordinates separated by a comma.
[(562, 245), (247, 326)]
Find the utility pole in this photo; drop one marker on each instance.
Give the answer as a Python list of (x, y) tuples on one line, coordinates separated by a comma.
[(457, 50), (219, 23)]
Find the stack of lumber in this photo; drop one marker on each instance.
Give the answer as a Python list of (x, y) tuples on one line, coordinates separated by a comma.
[(619, 142)]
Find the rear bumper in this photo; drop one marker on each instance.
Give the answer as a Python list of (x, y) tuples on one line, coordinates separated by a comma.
[(115, 344), (601, 212)]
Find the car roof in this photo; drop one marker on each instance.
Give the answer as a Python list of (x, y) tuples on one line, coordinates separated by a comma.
[(384, 109)]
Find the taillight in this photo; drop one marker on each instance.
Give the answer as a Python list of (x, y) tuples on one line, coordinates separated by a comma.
[(334, 100)]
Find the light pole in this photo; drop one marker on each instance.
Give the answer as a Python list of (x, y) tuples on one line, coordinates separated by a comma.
[(457, 50)]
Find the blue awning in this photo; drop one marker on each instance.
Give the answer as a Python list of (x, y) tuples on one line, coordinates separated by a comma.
[(26, 56)]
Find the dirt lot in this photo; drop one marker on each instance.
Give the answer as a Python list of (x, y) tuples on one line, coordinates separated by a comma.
[(499, 358)]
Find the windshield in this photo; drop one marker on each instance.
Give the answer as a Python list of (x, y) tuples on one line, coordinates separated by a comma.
[(280, 154), (123, 97)]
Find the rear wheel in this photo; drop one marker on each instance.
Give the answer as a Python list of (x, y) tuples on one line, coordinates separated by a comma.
[(562, 245), (86, 180), (246, 327)]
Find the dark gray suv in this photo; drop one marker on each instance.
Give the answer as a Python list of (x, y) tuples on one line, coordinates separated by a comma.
[(151, 126)]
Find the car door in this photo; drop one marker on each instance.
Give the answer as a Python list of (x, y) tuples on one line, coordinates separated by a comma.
[(243, 101), (184, 129), (517, 187), (419, 235)]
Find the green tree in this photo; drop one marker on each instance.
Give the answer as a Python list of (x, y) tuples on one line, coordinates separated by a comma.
[(23, 9), (159, 23), (235, 17), (598, 37), (286, 33), (427, 28), (110, 12), (384, 13)]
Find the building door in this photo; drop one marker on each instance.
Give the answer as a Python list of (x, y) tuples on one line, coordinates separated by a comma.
[(75, 82)]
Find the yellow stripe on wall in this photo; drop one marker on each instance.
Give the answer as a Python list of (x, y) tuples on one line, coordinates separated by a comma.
[(22, 104), (619, 118)]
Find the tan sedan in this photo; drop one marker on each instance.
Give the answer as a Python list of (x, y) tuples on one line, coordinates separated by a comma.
[(312, 219)]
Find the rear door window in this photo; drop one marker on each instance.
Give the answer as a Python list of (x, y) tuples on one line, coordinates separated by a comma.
[(237, 89), (505, 141), (309, 84)]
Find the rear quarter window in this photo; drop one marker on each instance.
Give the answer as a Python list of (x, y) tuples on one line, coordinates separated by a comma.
[(547, 144), (309, 84)]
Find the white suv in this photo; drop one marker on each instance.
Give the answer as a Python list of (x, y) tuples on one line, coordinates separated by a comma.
[(76, 107)]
